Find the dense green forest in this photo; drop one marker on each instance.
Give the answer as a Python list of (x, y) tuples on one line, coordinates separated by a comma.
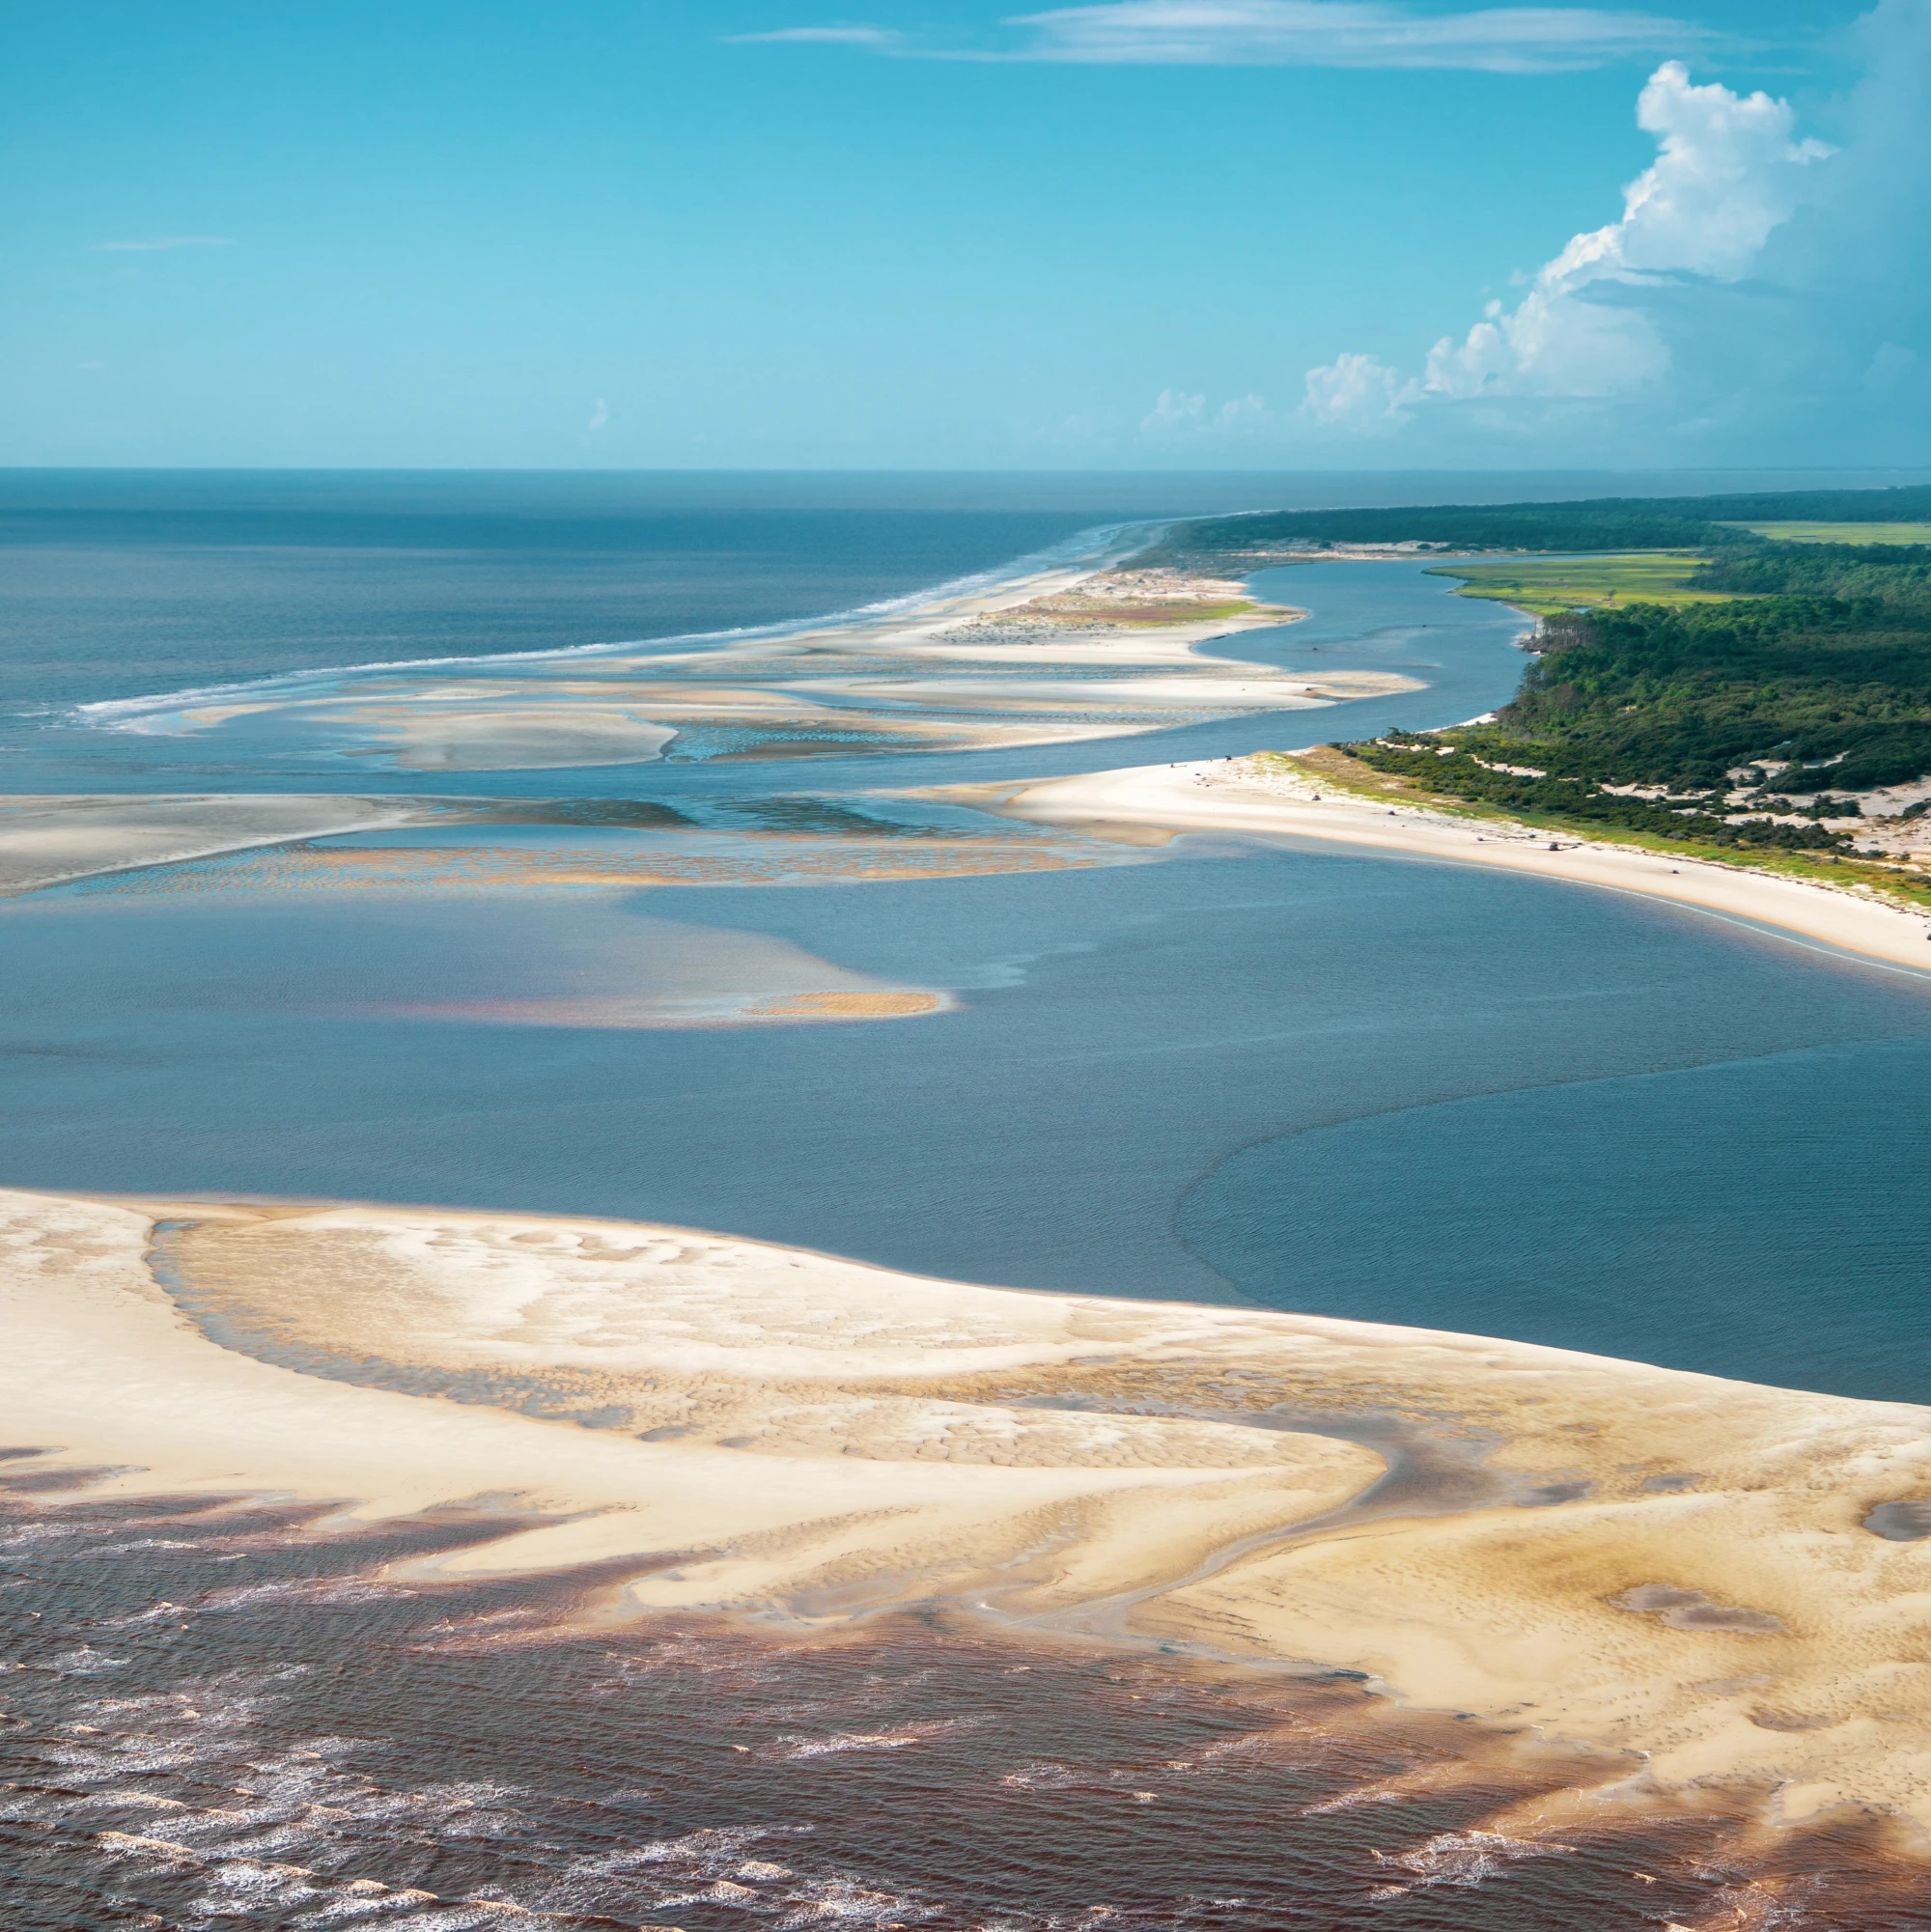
[(1811, 675), (1897, 576), (1597, 523)]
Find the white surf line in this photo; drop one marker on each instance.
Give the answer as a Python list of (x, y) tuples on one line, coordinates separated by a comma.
[(1084, 555)]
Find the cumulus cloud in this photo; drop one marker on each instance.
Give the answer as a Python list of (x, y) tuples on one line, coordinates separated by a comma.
[(1178, 417), (1730, 171), (1360, 393), (1761, 297)]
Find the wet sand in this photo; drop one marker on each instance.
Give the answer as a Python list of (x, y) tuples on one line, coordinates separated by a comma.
[(219, 1709), (1671, 1571)]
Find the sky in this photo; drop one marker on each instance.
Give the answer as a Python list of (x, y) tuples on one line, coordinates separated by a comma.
[(1140, 234)]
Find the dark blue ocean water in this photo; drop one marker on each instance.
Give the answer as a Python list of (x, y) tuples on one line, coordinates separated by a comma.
[(1371, 1086)]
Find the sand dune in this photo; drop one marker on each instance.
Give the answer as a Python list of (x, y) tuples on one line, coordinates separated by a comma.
[(1669, 1568)]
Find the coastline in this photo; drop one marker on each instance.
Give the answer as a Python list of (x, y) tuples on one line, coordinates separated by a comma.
[(1676, 1572), (1235, 795), (1084, 648)]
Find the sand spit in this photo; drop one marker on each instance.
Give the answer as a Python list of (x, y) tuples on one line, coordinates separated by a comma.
[(1072, 653), (1670, 1568), (1247, 794), (44, 841)]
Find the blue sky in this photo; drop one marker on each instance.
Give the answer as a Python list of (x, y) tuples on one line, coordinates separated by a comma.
[(763, 232)]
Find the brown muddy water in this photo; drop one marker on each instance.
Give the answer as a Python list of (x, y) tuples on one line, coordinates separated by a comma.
[(220, 1714)]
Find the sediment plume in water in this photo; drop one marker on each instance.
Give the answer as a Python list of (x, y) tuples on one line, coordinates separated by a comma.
[(219, 1712)]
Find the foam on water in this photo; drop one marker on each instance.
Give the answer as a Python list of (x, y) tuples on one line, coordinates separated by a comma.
[(307, 1748)]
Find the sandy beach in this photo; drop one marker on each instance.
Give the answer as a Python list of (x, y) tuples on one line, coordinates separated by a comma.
[(1247, 794), (1670, 1568)]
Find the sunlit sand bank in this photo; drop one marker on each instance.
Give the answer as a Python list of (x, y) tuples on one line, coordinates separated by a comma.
[(751, 858), (1672, 1569), (1068, 652), (44, 840), (1244, 795)]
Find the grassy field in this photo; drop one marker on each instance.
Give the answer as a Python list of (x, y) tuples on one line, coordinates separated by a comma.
[(1842, 533), (1546, 585)]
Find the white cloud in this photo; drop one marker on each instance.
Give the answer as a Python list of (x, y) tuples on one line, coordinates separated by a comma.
[(600, 417), (1729, 171), (1178, 415), (162, 241), (1174, 411), (823, 37), (1345, 33), (1358, 393)]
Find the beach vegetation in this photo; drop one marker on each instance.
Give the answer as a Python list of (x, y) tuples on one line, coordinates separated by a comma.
[(1607, 523), (1547, 585), (1733, 676), (1842, 533)]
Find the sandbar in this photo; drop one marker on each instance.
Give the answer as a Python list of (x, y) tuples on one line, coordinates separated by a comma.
[(47, 840), (1671, 1570)]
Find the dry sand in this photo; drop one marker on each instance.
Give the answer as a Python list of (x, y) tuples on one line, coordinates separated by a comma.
[(1668, 1568), (1244, 794)]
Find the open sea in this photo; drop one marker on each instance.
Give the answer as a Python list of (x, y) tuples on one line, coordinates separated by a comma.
[(1228, 1069)]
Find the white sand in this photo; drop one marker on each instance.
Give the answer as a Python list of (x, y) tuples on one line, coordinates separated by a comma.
[(1236, 795), (950, 673), (1700, 1602)]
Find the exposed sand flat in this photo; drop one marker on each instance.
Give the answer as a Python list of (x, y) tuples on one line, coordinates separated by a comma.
[(673, 974), (1245, 796), (45, 840), (765, 858), (520, 739), (1070, 652), (1669, 1567)]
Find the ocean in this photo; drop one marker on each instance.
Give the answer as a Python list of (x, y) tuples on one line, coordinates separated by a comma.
[(1224, 1069)]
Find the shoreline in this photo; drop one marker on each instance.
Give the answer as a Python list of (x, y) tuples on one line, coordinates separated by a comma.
[(1058, 650), (1231, 796), (1675, 1572)]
